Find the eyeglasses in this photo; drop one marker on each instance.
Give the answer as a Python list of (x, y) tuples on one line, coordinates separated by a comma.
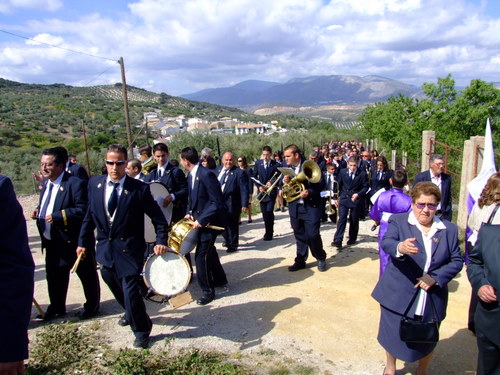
[(118, 163), (240, 161), (365, 156), (430, 206)]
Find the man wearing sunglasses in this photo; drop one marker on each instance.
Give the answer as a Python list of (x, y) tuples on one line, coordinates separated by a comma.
[(436, 175), (62, 206), (117, 204)]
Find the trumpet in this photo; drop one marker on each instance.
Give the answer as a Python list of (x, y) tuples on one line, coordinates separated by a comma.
[(310, 172), (273, 181), (148, 165), (330, 208)]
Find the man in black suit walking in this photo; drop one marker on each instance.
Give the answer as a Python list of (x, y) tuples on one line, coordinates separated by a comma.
[(305, 214), (205, 206), (436, 175), (62, 206), (117, 204), (16, 281), (353, 185), (172, 178), (235, 194), (264, 170)]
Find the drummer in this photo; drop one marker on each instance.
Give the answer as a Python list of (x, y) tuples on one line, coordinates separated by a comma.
[(117, 204)]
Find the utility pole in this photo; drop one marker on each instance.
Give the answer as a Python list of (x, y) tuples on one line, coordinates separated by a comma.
[(127, 116)]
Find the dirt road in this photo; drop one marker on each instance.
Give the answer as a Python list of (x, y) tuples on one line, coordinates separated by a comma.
[(324, 320)]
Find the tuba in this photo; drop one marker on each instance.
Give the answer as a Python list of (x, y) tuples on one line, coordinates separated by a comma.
[(148, 165), (310, 172)]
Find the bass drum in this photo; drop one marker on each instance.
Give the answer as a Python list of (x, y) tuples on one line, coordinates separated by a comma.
[(183, 237), (159, 193), (166, 276)]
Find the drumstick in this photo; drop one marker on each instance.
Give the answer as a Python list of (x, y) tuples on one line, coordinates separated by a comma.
[(75, 266), (215, 227), (39, 308)]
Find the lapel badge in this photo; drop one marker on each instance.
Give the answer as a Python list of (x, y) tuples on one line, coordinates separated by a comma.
[(435, 240), (125, 191), (99, 185), (61, 188)]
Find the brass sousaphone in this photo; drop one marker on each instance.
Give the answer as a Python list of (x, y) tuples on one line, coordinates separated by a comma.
[(310, 172)]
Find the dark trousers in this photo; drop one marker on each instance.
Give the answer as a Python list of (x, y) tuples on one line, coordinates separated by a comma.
[(267, 209), (305, 225), (231, 232), (353, 213), (209, 271), (488, 358), (57, 275), (126, 291)]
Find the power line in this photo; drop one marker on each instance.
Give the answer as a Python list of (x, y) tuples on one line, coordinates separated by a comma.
[(54, 46), (100, 74)]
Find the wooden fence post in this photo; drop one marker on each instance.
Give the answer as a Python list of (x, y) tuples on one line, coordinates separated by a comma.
[(427, 150), (472, 161), (393, 160)]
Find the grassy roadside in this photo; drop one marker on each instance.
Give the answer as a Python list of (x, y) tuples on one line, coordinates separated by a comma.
[(72, 348)]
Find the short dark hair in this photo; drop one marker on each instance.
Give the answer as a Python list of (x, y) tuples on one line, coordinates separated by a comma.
[(353, 159), (59, 153), (293, 148), (119, 149), (136, 164), (399, 178), (190, 154), (435, 157), (267, 148), (160, 147), (146, 149)]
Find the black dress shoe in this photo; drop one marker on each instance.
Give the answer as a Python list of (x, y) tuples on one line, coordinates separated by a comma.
[(141, 342), (231, 250), (250, 221), (123, 321), (206, 298), (49, 315), (267, 238), (349, 243), (87, 314), (338, 245), (322, 266), (296, 266)]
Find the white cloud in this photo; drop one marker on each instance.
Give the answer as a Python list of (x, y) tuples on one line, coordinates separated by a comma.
[(179, 46), (10, 6)]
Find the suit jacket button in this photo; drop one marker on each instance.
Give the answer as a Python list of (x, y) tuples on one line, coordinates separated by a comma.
[(122, 239), (110, 239), (124, 251)]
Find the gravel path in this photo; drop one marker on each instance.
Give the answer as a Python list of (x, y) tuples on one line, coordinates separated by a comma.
[(327, 320)]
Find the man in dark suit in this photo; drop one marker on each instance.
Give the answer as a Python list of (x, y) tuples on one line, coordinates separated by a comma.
[(134, 168), (75, 169), (117, 204), (235, 194), (264, 170), (442, 180), (205, 206), (353, 185), (305, 214), (484, 275), (16, 281), (172, 178), (62, 206)]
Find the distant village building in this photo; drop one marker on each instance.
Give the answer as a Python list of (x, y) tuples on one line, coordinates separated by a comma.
[(248, 128)]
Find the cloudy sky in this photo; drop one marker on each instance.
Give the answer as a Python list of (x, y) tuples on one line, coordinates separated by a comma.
[(182, 46)]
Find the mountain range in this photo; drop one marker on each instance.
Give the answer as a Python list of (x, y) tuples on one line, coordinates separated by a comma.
[(308, 91)]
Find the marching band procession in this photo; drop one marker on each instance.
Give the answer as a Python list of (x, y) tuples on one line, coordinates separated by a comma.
[(148, 224)]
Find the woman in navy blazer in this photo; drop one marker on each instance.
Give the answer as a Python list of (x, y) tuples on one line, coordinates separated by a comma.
[(424, 257)]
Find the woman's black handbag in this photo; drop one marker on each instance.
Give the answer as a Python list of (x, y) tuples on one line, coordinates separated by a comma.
[(417, 331)]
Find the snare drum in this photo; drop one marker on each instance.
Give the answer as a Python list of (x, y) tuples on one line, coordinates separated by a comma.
[(159, 193), (183, 237), (166, 276)]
